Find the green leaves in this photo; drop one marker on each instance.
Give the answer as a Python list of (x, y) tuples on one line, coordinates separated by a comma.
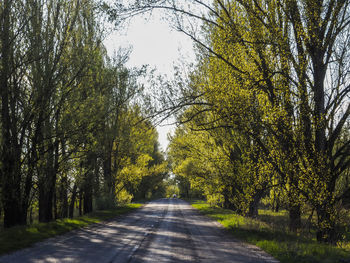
[(73, 127), (271, 90)]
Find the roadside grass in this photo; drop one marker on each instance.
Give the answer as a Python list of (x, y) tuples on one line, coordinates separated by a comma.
[(19, 237), (270, 232)]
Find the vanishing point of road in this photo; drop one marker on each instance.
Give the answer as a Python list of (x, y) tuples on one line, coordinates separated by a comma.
[(166, 230)]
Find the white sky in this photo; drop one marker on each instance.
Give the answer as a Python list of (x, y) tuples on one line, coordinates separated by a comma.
[(155, 43)]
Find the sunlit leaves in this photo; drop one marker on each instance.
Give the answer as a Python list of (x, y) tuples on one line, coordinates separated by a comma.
[(266, 70)]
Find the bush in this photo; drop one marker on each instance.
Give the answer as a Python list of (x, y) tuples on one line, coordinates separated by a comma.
[(215, 200), (105, 201), (123, 197)]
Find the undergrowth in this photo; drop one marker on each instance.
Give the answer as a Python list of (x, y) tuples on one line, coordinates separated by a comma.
[(18, 237), (269, 232)]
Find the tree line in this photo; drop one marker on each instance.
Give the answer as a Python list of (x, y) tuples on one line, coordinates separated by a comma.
[(264, 114), (73, 130)]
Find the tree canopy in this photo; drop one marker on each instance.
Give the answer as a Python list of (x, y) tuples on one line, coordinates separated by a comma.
[(74, 133), (262, 116), (273, 77)]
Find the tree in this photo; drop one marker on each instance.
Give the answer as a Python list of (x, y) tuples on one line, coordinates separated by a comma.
[(10, 151), (58, 35), (290, 60), (66, 107)]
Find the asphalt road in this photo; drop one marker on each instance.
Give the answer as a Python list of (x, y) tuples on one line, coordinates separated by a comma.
[(166, 230)]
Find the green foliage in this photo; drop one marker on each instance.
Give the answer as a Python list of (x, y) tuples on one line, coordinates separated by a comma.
[(105, 201), (224, 168), (141, 166), (265, 115), (123, 197), (74, 119), (172, 188)]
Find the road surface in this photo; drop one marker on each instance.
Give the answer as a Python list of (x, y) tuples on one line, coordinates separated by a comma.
[(166, 230)]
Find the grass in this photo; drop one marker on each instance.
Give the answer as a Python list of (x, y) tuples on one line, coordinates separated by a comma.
[(19, 237), (269, 232)]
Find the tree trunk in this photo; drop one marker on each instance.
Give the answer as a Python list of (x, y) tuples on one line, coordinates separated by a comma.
[(55, 209), (87, 193), (47, 187), (11, 192), (107, 173), (327, 231), (294, 218), (254, 204), (88, 187), (253, 210), (72, 201), (26, 195), (276, 202), (80, 203), (64, 197), (45, 203), (227, 202), (10, 169), (277, 206), (12, 210), (31, 215), (87, 208)]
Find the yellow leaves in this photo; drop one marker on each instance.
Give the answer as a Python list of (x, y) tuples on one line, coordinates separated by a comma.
[(134, 172), (122, 195)]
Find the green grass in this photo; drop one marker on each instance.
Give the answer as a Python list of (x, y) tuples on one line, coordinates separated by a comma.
[(19, 237), (269, 232)]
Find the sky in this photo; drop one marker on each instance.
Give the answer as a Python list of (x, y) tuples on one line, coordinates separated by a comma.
[(155, 43)]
